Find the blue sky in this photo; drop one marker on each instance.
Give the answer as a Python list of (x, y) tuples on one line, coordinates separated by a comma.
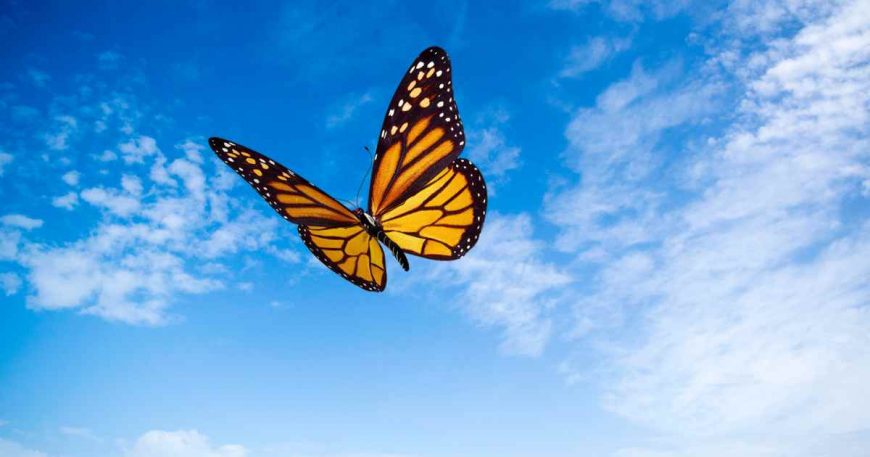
[(674, 262)]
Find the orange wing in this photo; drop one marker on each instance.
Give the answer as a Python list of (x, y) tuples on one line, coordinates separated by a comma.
[(421, 135), (294, 198), (444, 219), (350, 252)]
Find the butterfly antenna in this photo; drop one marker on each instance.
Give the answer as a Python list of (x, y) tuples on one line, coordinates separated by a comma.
[(347, 202), (366, 175)]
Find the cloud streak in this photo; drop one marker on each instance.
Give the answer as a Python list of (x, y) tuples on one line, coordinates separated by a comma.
[(507, 284), (750, 284), (592, 54), (181, 443)]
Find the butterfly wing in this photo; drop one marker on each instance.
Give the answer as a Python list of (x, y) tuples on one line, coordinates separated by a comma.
[(443, 220), (332, 233), (421, 135), (294, 198), (350, 252)]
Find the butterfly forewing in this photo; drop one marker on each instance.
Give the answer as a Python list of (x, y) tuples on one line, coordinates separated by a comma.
[(294, 198), (443, 220), (421, 135)]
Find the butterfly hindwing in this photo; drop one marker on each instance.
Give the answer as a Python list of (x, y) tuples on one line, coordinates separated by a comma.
[(443, 220), (421, 134), (349, 251), (294, 198)]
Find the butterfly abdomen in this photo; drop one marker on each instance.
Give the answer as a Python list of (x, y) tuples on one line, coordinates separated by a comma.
[(374, 229), (394, 248)]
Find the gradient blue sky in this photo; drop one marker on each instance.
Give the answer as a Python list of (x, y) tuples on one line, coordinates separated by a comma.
[(674, 264)]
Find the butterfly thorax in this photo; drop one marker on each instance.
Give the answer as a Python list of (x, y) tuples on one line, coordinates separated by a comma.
[(373, 228), (368, 222)]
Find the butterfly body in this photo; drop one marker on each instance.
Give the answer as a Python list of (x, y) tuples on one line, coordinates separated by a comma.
[(423, 199), (374, 228)]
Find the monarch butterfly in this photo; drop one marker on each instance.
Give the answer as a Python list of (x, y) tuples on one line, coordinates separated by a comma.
[(423, 199)]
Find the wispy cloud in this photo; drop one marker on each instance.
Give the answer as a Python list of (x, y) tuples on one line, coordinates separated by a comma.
[(507, 284), (748, 280), (137, 149), (80, 432), (592, 54), (67, 201), (20, 221), (627, 10), (122, 201), (10, 448), (10, 283), (491, 150), (345, 112), (71, 178), (613, 145), (107, 156), (108, 60), (59, 138), (5, 159), (181, 443)]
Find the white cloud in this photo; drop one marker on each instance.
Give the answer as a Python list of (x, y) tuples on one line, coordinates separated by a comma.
[(10, 241), (134, 285), (20, 221), (12, 449), (5, 159), (67, 201), (627, 10), (71, 178), (613, 145), (159, 174), (108, 60), (747, 299), (491, 151), (592, 54), (569, 4), (137, 149), (107, 156), (636, 112), (767, 17), (347, 110), (181, 443), (65, 127), (507, 284), (117, 201), (193, 149), (319, 450), (80, 432), (10, 282), (133, 264), (729, 351)]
